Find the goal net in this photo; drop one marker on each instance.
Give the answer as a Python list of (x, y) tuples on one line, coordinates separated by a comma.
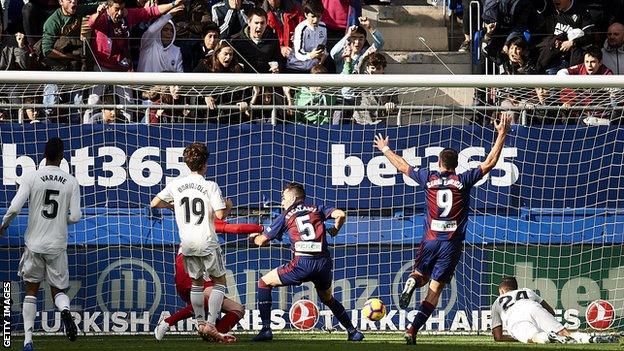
[(550, 213)]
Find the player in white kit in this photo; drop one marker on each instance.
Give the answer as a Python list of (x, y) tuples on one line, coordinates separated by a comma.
[(196, 202), (53, 202), (529, 319)]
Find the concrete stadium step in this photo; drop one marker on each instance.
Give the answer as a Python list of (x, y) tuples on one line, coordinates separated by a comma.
[(388, 16), (402, 62), (405, 38)]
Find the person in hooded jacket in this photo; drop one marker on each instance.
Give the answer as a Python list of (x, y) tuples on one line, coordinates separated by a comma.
[(613, 48), (158, 52)]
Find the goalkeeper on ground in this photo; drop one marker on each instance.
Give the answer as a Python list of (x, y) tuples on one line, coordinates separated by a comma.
[(529, 319)]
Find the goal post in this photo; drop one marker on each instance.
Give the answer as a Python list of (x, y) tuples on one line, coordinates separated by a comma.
[(550, 213)]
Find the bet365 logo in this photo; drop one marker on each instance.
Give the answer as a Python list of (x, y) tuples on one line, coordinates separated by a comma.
[(600, 314), (303, 314)]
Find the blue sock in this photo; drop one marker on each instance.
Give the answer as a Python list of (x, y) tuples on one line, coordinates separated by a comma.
[(341, 314), (264, 305), (424, 312)]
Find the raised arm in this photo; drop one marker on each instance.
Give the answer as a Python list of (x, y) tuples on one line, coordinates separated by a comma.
[(397, 161), (501, 126)]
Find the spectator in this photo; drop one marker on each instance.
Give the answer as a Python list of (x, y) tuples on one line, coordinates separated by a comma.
[(107, 115), (355, 41), (14, 52), (504, 19), (517, 60), (211, 39), (257, 46), (158, 52), (224, 60), (375, 63), (167, 95), (313, 96), (60, 47), (112, 25), (613, 50), (283, 18), (569, 30), (34, 15), (310, 39), (338, 16), (190, 29), (231, 16), (592, 65), (591, 98)]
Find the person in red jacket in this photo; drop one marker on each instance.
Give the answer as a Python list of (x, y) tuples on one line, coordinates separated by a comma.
[(283, 17), (233, 310)]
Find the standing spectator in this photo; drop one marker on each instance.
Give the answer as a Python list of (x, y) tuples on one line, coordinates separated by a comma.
[(591, 98), (283, 17), (613, 50), (14, 52), (60, 49), (224, 60), (34, 15), (112, 25), (572, 29), (211, 39), (256, 45), (190, 28), (355, 40), (310, 39), (231, 16), (375, 63), (158, 52), (338, 16), (517, 60), (314, 96)]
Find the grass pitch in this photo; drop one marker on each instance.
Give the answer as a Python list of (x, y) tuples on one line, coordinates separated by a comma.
[(294, 342)]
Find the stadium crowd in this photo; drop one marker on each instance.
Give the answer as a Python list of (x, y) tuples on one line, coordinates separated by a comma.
[(286, 36)]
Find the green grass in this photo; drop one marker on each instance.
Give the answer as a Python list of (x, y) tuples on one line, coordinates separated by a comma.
[(294, 342)]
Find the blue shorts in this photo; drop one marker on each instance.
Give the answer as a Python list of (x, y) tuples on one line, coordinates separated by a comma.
[(437, 259), (315, 269)]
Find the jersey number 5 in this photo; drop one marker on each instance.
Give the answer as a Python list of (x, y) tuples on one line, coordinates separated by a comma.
[(49, 201), (305, 228)]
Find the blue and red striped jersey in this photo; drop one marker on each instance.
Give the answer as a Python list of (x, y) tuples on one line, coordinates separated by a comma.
[(305, 224), (448, 199)]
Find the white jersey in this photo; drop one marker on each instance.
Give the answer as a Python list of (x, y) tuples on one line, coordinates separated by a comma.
[(307, 38), (53, 201), (195, 201), (514, 306)]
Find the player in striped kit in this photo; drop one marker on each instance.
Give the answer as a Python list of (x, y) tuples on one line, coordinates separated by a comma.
[(448, 199), (529, 319), (53, 202), (196, 202), (305, 225)]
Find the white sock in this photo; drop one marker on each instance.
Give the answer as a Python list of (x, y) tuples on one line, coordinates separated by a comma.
[(214, 303), (197, 300), (29, 311), (540, 338), (61, 301), (581, 338)]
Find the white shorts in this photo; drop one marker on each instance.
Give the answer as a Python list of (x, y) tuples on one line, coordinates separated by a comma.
[(538, 320), (210, 265), (34, 267)]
